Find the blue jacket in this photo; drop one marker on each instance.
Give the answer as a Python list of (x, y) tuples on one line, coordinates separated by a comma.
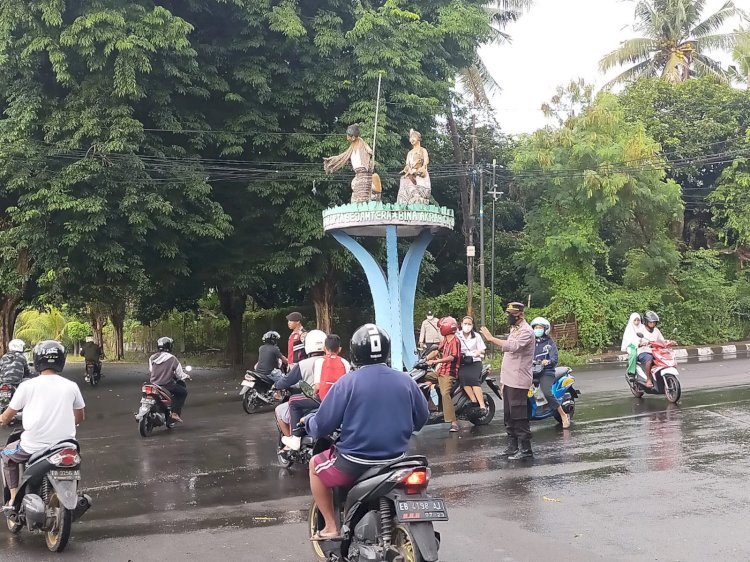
[(540, 353), (377, 409)]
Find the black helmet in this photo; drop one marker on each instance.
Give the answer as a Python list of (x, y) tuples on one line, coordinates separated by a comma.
[(49, 354), (650, 316), (271, 337), (370, 345), (164, 344)]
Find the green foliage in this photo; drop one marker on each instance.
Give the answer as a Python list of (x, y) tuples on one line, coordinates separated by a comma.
[(453, 303), (731, 204), (34, 326)]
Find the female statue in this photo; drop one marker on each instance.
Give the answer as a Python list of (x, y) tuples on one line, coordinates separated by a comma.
[(415, 184), (359, 153)]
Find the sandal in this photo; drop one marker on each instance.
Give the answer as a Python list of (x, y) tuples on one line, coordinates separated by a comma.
[(317, 537), (454, 428)]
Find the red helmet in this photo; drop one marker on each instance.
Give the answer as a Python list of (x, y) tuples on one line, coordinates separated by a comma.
[(448, 326)]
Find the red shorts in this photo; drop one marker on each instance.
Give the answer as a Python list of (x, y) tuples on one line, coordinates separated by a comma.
[(328, 467)]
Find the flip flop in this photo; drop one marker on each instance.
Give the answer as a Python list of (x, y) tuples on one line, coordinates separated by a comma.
[(317, 537)]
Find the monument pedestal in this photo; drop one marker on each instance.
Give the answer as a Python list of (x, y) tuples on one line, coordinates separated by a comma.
[(393, 290)]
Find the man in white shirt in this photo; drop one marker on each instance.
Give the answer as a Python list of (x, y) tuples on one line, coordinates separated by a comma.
[(52, 408)]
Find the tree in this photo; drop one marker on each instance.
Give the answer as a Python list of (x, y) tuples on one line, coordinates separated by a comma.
[(731, 208), (603, 212), (741, 55), (675, 42)]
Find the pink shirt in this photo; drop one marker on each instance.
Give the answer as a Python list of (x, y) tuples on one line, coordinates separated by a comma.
[(518, 356)]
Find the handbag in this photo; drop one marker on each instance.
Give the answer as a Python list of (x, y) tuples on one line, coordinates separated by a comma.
[(466, 360)]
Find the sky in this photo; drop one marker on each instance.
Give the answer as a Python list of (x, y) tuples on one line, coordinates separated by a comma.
[(559, 40)]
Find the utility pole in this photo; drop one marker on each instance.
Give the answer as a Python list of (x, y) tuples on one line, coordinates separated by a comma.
[(495, 196), (482, 307), (470, 250)]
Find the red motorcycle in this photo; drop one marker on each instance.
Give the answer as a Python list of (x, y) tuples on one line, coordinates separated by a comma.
[(663, 372), (156, 407)]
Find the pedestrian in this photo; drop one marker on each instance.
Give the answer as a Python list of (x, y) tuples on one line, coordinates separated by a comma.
[(429, 334), (516, 377), (445, 375), (296, 346), (470, 370)]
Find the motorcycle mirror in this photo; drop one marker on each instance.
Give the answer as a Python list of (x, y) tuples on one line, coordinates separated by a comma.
[(639, 334), (188, 369), (307, 389)]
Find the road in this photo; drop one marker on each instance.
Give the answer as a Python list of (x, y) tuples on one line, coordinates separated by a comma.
[(632, 480)]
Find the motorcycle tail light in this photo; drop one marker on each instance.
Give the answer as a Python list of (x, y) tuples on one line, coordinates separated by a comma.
[(148, 389), (416, 481), (66, 457), (5, 388)]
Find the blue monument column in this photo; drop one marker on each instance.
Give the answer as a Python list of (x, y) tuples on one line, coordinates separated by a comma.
[(393, 290)]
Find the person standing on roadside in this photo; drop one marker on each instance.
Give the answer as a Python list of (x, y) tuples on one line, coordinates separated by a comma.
[(429, 334), (447, 358), (516, 377), (296, 346)]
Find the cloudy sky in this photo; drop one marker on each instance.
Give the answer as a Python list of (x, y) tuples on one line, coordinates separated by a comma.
[(558, 40)]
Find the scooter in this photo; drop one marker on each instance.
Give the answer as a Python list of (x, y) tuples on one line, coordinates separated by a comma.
[(256, 392), (93, 374), (156, 407), (386, 516), (48, 498), (465, 408), (663, 372), (562, 390)]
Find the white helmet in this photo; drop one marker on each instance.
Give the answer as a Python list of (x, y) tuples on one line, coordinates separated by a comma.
[(16, 345), (539, 321), (315, 342)]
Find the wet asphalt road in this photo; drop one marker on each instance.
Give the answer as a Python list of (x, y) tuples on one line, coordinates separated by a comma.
[(632, 480)]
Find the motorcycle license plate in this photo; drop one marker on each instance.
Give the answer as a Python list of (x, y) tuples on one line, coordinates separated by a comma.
[(249, 384), (423, 509), (5, 395), (65, 474)]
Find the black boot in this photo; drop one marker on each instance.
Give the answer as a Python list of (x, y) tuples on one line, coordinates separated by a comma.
[(524, 452), (512, 447)]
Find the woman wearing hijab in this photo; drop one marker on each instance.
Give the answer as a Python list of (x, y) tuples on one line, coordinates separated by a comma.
[(631, 339)]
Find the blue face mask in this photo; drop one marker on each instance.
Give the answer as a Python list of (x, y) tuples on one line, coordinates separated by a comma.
[(538, 333)]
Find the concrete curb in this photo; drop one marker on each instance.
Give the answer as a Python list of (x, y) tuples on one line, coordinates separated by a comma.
[(681, 353)]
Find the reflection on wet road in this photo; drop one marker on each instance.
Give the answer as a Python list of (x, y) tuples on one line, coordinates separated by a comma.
[(633, 479)]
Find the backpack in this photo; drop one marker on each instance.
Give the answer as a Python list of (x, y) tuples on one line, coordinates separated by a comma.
[(331, 370)]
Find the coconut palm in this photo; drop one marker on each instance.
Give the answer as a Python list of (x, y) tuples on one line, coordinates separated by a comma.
[(33, 326), (675, 41), (741, 55)]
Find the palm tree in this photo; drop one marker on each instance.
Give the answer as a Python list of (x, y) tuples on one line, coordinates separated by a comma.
[(741, 55), (674, 41), (34, 326)]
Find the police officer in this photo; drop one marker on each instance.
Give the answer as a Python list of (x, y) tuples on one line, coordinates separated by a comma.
[(516, 377)]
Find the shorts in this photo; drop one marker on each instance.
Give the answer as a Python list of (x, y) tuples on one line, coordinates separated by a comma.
[(336, 471), (282, 412), (644, 357)]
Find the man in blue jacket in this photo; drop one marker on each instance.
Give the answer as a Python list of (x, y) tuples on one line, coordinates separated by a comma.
[(377, 409)]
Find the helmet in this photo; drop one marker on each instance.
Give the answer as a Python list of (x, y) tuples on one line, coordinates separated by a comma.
[(49, 354), (539, 321), (164, 344), (650, 316), (271, 337), (16, 345), (448, 326), (370, 345), (315, 342)]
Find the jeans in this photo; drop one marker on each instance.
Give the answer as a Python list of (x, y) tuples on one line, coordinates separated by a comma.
[(179, 395), (299, 405)]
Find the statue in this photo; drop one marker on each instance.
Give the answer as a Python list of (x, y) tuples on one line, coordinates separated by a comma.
[(415, 184), (360, 155)]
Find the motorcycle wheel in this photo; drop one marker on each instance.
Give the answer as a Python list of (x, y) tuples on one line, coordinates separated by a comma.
[(403, 541), (672, 388), (14, 526), (315, 522), (489, 416), (144, 426), (58, 536), (634, 388), (93, 378), (249, 403)]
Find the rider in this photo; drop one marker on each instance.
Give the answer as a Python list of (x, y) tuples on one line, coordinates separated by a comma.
[(373, 394), (447, 370), (166, 371), (303, 371), (546, 353), (647, 336), (52, 408), (92, 353), (13, 365), (270, 357)]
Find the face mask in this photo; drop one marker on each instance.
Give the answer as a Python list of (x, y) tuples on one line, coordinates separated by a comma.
[(467, 328), (512, 319), (538, 333)]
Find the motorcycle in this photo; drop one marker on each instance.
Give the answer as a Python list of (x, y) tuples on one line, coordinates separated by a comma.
[(664, 374), (48, 498), (156, 407), (287, 457), (562, 390), (93, 373), (465, 408), (7, 391), (386, 516), (256, 392)]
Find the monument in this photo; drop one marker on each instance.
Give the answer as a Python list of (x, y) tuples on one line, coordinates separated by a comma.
[(411, 217)]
